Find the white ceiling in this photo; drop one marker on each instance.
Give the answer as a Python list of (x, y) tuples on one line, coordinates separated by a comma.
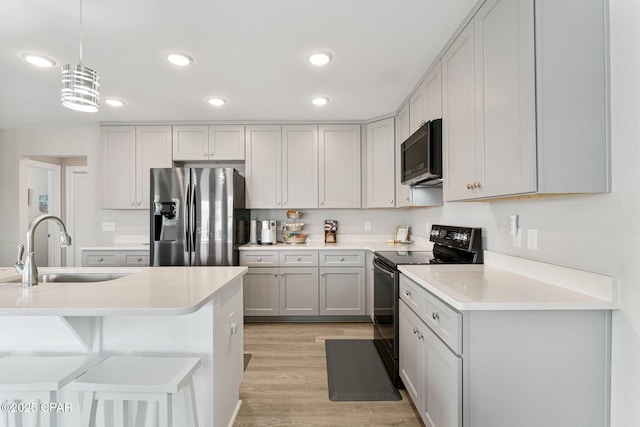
[(251, 52)]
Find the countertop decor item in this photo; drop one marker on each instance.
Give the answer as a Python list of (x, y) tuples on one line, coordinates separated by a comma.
[(292, 214), (330, 230), (294, 226), (402, 234), (294, 237)]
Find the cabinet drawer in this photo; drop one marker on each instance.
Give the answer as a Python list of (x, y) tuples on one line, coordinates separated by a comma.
[(342, 258), (99, 259), (259, 258), (136, 259), (413, 294), (444, 321), (299, 258)]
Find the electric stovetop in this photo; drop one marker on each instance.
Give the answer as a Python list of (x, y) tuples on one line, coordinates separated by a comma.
[(395, 258)]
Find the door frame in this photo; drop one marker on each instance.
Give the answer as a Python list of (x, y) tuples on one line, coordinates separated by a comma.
[(72, 251)]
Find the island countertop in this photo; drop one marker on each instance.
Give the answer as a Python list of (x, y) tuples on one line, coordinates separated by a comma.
[(146, 291)]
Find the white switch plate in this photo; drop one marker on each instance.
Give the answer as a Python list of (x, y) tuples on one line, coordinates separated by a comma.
[(108, 226), (367, 225), (532, 239), (517, 239)]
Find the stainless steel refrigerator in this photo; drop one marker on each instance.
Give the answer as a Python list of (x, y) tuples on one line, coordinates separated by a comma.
[(198, 216)]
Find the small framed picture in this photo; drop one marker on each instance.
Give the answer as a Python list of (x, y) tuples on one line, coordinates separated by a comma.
[(402, 233)]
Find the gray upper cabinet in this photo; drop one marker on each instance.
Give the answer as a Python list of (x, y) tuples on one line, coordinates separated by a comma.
[(403, 192), (380, 164), (340, 166), (521, 113), (219, 142), (282, 166)]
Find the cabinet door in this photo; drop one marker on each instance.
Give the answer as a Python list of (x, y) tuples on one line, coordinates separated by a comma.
[(418, 108), (261, 292), (339, 163), (433, 93), (226, 142), (153, 150), (190, 143), (342, 291), (381, 164), (442, 382), (506, 162), (300, 166), (263, 166), (411, 353), (119, 153), (459, 131), (403, 192), (298, 291)]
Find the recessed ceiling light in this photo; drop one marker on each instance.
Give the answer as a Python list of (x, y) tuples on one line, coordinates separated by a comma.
[(114, 102), (321, 100), (320, 58), (217, 101), (180, 59), (38, 60)]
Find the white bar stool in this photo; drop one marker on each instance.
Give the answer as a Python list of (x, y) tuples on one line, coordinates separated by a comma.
[(36, 380), (134, 378)]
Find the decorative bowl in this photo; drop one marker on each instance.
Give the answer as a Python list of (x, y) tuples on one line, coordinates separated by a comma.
[(294, 214), (294, 226), (295, 238)]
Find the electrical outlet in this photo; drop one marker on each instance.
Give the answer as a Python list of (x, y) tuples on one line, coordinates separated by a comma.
[(532, 239), (367, 226), (108, 226)]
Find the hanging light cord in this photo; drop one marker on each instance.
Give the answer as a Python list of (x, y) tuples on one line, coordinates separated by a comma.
[(81, 34)]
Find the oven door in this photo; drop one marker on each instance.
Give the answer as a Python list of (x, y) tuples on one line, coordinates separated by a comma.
[(385, 304)]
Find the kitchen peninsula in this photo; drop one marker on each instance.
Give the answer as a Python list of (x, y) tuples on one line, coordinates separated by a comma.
[(150, 311)]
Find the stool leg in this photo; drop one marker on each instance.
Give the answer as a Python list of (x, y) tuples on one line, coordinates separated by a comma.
[(89, 409), (120, 413), (12, 420), (141, 413), (190, 400), (165, 411)]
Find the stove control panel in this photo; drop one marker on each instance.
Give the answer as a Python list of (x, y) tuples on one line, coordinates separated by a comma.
[(456, 237)]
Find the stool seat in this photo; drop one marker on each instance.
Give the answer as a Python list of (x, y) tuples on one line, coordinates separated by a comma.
[(138, 374), (138, 379), (41, 373)]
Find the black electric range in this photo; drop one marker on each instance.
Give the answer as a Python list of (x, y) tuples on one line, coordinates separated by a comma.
[(451, 245)]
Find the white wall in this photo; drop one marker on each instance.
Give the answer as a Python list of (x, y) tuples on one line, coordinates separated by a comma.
[(599, 233)]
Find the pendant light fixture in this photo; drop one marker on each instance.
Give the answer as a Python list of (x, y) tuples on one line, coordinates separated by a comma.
[(80, 85)]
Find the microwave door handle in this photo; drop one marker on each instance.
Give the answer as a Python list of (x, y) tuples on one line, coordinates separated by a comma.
[(380, 266)]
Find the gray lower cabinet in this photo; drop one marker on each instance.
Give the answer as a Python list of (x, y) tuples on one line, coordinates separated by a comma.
[(114, 258), (500, 367), (298, 291), (342, 291), (262, 292)]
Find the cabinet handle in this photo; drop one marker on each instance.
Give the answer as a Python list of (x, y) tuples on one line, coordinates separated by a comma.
[(415, 330), (100, 259), (420, 336), (298, 259), (435, 316)]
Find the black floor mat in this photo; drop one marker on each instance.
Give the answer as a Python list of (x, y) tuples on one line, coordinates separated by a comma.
[(356, 372)]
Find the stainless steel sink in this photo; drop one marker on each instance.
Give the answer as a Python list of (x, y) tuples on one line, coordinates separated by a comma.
[(73, 277)]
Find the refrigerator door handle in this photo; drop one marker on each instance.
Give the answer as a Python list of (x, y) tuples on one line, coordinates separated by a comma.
[(187, 218), (193, 225)]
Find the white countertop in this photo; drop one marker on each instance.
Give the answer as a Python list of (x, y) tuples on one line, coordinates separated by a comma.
[(511, 283), (148, 291), (118, 247)]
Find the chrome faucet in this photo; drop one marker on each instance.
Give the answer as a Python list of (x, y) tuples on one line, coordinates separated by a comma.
[(28, 269)]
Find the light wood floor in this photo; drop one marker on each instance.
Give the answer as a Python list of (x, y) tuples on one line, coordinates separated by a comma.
[(285, 383)]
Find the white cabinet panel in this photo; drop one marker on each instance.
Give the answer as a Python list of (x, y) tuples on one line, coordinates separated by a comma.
[(340, 166), (226, 142), (403, 192), (300, 166), (263, 166), (342, 291), (380, 184), (190, 143), (262, 292), (219, 142), (298, 291), (153, 150)]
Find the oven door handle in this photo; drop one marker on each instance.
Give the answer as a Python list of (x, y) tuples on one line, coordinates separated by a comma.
[(382, 267)]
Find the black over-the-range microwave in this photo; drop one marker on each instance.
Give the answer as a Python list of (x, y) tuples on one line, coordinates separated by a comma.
[(422, 155)]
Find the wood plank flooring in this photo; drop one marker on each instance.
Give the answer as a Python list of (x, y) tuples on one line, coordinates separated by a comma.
[(285, 383)]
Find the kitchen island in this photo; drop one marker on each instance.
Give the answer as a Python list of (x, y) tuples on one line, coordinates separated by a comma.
[(176, 311)]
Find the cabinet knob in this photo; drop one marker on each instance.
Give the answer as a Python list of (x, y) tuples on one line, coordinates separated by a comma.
[(275, 274), (391, 201), (259, 258), (211, 154), (100, 259), (407, 199), (322, 274), (139, 259), (476, 184), (204, 154), (435, 316), (138, 203), (281, 274), (415, 330), (407, 293), (341, 258), (298, 259), (469, 186), (133, 204), (420, 336), (322, 202)]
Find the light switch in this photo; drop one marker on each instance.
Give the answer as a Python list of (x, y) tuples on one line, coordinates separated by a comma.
[(532, 239), (108, 226), (367, 225)]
